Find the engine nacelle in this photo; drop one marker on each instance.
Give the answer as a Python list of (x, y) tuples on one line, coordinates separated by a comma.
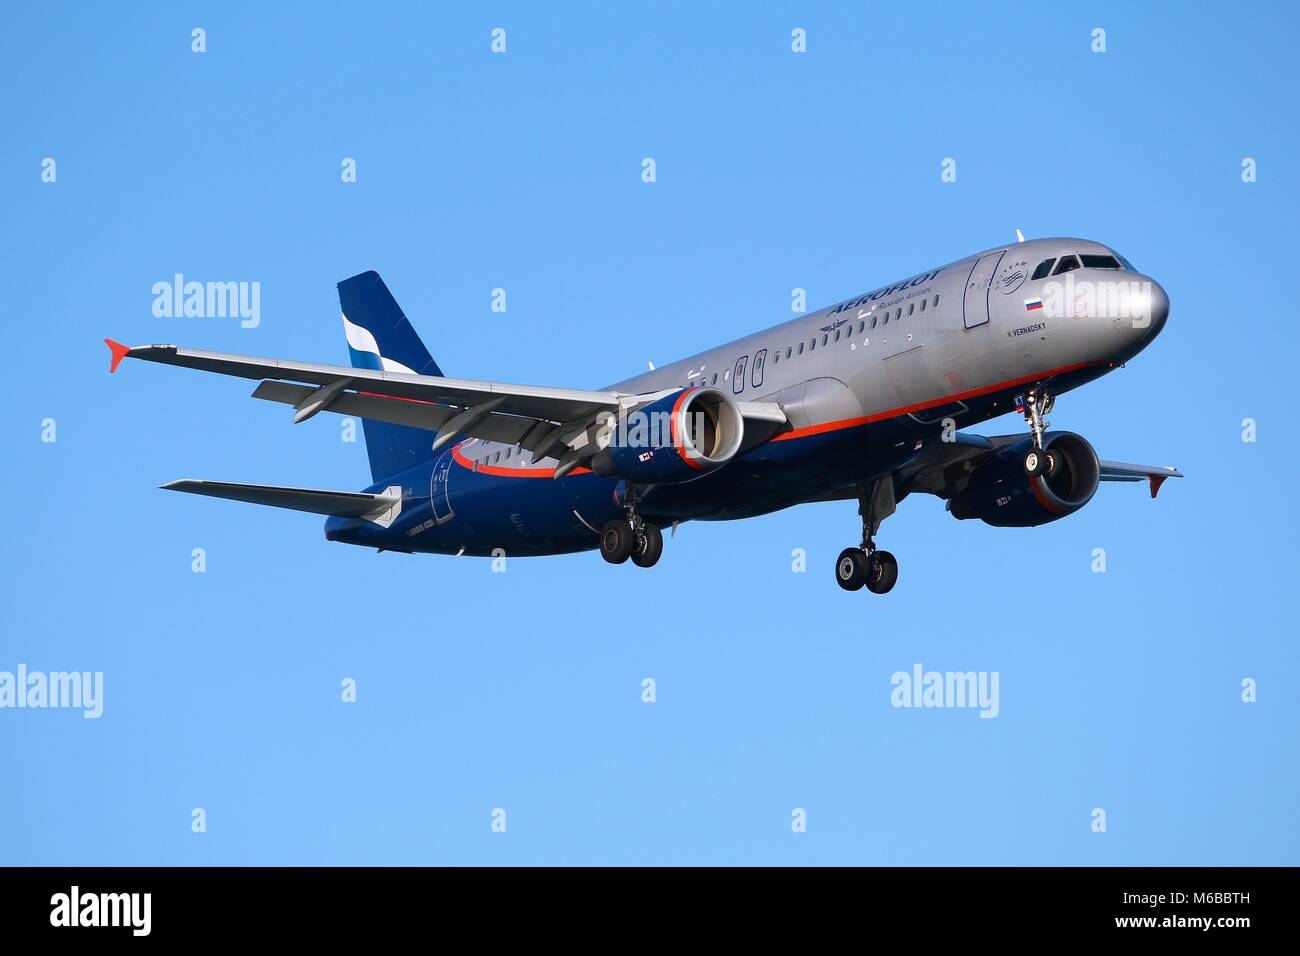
[(1001, 494), (676, 438)]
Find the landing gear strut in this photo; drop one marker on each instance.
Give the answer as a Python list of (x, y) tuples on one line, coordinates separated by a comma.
[(631, 537), (865, 566), (1036, 403)]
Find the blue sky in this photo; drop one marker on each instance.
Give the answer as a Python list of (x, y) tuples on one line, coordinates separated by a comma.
[(522, 690)]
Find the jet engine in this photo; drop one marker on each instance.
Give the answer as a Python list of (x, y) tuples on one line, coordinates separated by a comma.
[(1001, 494), (674, 439)]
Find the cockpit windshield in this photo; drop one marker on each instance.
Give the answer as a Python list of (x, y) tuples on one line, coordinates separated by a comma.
[(1070, 262)]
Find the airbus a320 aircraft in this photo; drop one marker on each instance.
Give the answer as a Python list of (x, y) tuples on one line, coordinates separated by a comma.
[(859, 401)]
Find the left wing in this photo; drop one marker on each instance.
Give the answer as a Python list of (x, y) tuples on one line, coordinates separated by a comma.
[(559, 423)]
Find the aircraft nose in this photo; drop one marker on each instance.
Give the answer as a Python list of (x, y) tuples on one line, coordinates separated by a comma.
[(1157, 308), (1140, 314)]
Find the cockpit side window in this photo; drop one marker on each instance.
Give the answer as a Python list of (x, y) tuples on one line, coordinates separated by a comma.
[(1044, 267), (1067, 264), (1099, 262)]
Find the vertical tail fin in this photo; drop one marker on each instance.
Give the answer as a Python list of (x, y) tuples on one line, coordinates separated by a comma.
[(381, 337)]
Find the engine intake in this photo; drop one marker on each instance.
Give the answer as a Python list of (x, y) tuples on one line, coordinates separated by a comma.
[(999, 492), (673, 439)]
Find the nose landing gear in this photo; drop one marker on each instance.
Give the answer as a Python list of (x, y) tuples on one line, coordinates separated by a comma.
[(865, 566), (1036, 403)]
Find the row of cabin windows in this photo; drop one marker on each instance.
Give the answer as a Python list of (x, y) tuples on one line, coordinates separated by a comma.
[(877, 319), (495, 457), (1071, 262)]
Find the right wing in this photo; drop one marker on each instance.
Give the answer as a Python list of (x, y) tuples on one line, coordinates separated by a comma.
[(1154, 475), (943, 467)]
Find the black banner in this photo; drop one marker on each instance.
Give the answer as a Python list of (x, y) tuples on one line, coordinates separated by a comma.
[(331, 905)]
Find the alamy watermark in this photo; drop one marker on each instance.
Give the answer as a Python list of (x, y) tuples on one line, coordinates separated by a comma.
[(128, 910), (72, 690), (208, 300), (1108, 299), (946, 689)]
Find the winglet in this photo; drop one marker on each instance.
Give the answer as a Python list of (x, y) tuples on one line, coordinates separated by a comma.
[(1156, 482), (119, 351)]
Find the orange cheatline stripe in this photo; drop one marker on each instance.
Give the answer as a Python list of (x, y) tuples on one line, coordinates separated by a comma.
[(501, 471), (929, 403)]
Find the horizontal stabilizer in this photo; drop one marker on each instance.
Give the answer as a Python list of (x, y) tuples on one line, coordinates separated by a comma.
[(382, 509)]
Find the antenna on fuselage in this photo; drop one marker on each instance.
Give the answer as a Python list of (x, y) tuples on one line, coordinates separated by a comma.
[(1020, 236), (651, 364)]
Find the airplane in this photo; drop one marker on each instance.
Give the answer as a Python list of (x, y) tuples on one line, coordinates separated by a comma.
[(859, 401)]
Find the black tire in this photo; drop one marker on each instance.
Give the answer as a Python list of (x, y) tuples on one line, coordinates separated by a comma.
[(617, 541), (851, 569), (649, 546), (882, 572), (1035, 462)]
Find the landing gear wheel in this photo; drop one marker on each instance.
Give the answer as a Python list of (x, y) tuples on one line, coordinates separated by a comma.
[(617, 541), (851, 569), (881, 572), (1053, 464), (648, 546), (1036, 462)]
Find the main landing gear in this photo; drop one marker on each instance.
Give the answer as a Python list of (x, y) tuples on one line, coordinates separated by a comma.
[(1036, 403), (631, 537), (865, 566)]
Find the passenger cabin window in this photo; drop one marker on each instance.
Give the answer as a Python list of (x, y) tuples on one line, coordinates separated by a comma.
[(923, 302), (1100, 262), (1044, 267), (1067, 264)]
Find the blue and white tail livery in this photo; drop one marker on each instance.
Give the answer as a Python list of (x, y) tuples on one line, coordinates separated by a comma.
[(365, 350), (381, 338)]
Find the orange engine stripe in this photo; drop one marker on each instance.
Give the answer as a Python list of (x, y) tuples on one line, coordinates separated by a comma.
[(672, 430)]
